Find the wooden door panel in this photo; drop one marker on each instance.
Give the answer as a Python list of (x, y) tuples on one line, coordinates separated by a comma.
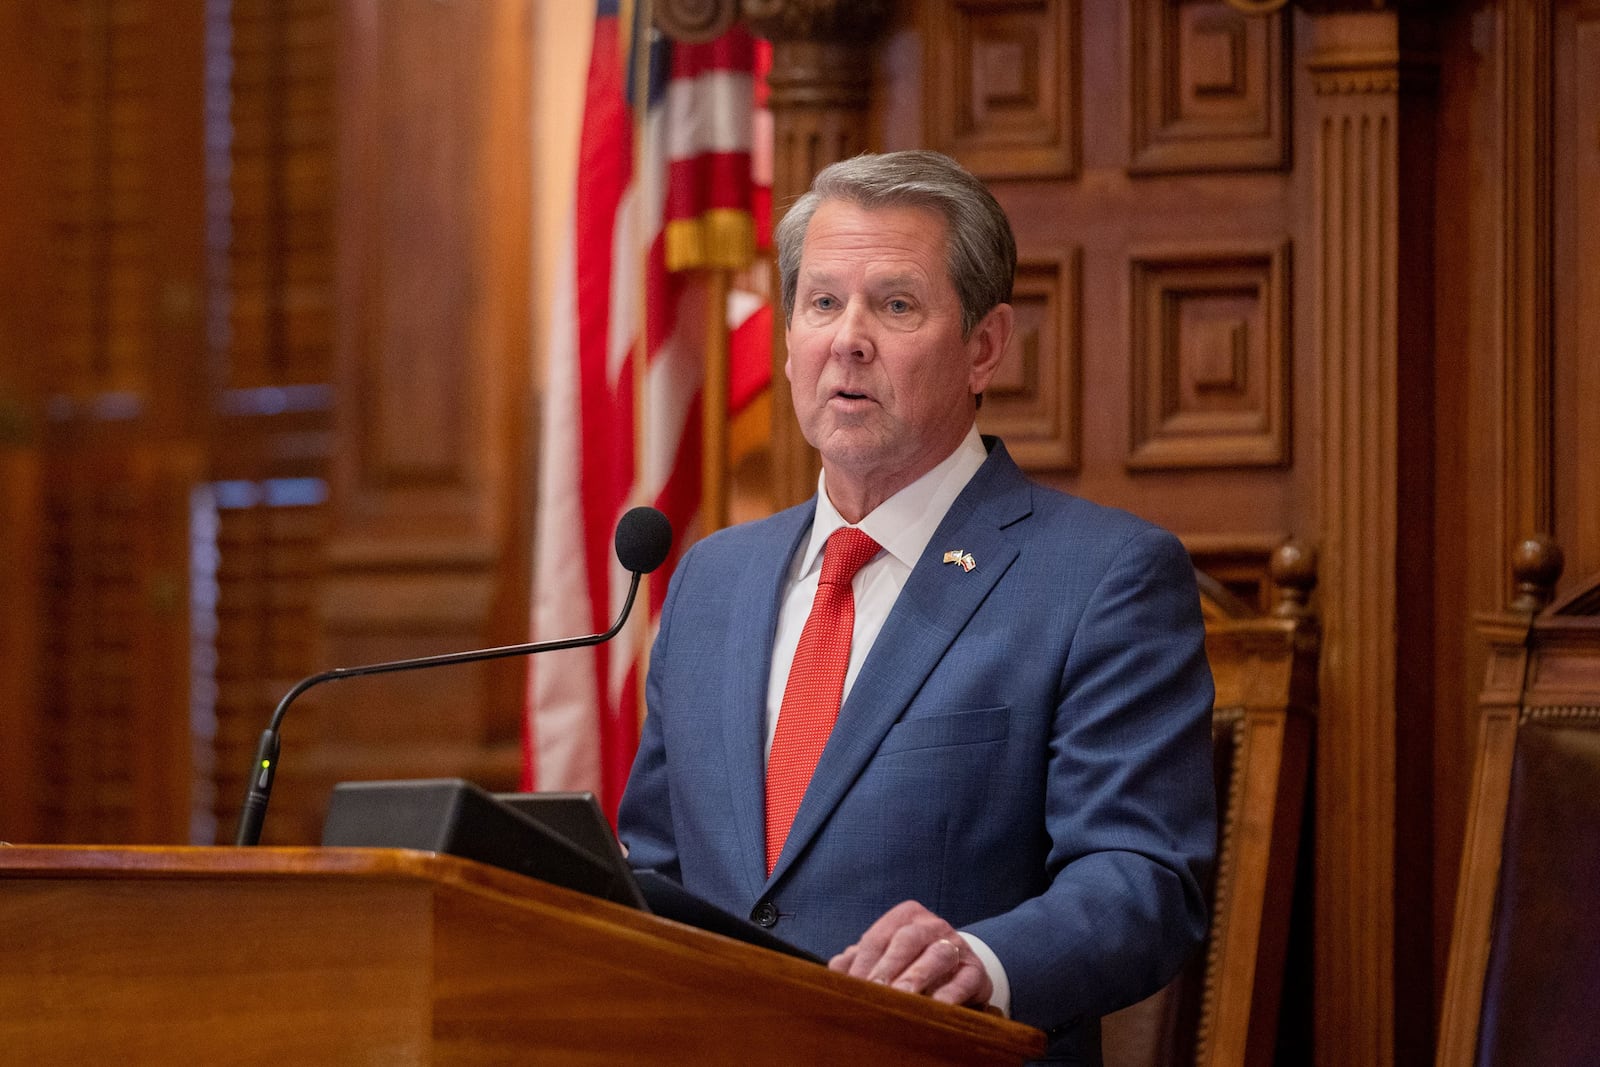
[(1155, 363)]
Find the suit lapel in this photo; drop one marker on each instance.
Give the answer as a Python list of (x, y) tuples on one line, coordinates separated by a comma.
[(756, 594), (932, 609)]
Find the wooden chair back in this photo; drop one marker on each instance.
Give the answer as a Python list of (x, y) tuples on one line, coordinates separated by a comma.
[(1223, 1008), (1524, 962)]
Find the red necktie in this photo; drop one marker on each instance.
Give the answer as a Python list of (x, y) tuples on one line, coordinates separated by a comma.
[(816, 683)]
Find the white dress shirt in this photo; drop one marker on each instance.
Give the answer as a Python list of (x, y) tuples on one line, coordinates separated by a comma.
[(903, 525)]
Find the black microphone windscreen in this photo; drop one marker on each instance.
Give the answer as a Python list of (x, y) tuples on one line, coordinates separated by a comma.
[(644, 537)]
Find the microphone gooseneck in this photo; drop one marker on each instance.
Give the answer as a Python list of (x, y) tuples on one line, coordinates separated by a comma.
[(643, 539)]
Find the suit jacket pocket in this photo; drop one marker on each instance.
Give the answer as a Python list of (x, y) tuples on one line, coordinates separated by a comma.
[(937, 731)]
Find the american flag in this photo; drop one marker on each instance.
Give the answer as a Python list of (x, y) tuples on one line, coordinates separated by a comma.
[(621, 405)]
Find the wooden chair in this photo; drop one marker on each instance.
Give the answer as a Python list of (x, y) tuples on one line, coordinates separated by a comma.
[(1223, 1008), (1524, 965)]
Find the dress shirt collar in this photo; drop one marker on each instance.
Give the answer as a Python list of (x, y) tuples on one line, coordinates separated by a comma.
[(903, 524)]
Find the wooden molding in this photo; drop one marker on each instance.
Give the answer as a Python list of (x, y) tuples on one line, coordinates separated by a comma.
[(1579, 444), (426, 326), (694, 20), (785, 21), (1034, 400), (1208, 89), (1525, 351), (23, 784), (1210, 344), (1002, 85)]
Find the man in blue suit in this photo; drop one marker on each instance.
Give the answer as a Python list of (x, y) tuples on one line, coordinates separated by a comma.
[(1014, 804)]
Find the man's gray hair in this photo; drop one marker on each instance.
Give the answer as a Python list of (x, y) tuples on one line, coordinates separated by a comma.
[(980, 250)]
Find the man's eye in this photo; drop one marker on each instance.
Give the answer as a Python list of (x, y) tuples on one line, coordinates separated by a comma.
[(899, 307), (824, 303)]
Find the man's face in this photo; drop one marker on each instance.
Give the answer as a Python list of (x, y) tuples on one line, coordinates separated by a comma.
[(882, 380)]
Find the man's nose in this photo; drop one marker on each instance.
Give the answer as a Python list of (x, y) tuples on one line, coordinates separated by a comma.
[(852, 335)]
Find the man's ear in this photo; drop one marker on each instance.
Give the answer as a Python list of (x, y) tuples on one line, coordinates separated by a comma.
[(987, 344)]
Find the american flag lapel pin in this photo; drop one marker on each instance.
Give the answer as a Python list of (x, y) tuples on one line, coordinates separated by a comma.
[(962, 558)]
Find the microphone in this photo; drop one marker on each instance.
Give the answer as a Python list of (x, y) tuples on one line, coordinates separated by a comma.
[(643, 539)]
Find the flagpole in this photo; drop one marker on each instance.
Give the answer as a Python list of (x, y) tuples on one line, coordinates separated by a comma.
[(639, 64), (714, 405)]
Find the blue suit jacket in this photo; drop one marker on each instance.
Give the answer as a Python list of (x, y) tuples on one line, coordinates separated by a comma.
[(1026, 749)]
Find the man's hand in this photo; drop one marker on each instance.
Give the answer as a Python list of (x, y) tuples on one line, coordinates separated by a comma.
[(911, 948)]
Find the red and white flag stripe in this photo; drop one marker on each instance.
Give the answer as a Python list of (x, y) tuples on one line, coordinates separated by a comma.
[(600, 453)]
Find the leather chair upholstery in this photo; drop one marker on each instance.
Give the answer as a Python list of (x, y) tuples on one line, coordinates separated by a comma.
[(1524, 969), (1544, 959)]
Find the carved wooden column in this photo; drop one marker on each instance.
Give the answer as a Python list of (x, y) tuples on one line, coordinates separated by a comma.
[(1370, 138), (822, 59), (1526, 88)]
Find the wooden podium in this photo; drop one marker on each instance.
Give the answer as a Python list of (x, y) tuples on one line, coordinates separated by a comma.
[(199, 956)]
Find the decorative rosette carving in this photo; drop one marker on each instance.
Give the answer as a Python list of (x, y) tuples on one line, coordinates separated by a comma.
[(692, 21), (816, 20)]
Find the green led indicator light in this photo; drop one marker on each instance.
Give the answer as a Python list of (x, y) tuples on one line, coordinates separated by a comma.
[(265, 764)]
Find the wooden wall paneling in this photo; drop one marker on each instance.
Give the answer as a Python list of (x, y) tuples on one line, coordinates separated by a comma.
[(1372, 160), (431, 346), (1525, 232), (411, 128), (99, 223), (85, 678), (265, 632), (1467, 310), (129, 237), (261, 522), (117, 375), (27, 126), (1105, 212), (1210, 352), (1208, 88), (22, 770), (114, 670), (1497, 456), (161, 58), (1033, 402), (819, 85), (25, 129), (431, 179), (174, 369), (1002, 85), (279, 170), (511, 157), (101, 211), (161, 752), (1577, 288)]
